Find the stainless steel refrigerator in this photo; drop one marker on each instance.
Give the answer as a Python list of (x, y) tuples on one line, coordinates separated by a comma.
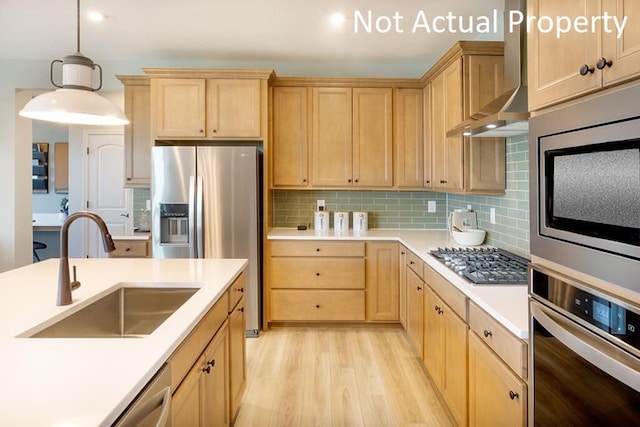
[(206, 203)]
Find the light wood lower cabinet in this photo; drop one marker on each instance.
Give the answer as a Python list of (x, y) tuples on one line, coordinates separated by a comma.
[(208, 369), (497, 397), (415, 310), (402, 286), (445, 353), (202, 398), (317, 305), (382, 281)]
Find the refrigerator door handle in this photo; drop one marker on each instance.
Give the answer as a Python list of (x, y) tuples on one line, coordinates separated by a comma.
[(192, 217), (199, 221)]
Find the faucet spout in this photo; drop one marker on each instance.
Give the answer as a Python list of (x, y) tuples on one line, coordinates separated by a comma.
[(64, 281)]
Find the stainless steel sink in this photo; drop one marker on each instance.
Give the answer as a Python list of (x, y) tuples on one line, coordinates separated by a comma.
[(125, 312)]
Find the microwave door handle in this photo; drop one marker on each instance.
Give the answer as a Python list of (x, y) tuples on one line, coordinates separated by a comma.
[(623, 367), (192, 217), (199, 219)]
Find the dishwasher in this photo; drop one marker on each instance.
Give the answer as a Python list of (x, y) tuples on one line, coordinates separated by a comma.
[(152, 407)]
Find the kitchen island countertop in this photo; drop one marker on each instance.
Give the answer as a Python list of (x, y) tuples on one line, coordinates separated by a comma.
[(90, 381), (508, 304)]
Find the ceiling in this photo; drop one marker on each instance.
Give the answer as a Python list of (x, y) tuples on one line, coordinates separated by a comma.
[(269, 31)]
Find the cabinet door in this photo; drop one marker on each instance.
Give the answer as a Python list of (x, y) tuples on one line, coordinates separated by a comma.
[(554, 77), (496, 396), (187, 404), (438, 139), (233, 108), (216, 381), (372, 137), (433, 355), (237, 357), (415, 319), (179, 107), (454, 383), (331, 141), (483, 75), (290, 136), (428, 137), (623, 52), (409, 141), (382, 282), (454, 178), (402, 286), (137, 136), (485, 164)]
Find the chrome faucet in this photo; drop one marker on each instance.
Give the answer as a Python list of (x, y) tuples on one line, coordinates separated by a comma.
[(64, 282)]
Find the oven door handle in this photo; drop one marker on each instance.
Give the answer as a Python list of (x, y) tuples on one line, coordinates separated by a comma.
[(607, 357)]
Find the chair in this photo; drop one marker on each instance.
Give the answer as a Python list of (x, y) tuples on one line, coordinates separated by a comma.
[(37, 246)]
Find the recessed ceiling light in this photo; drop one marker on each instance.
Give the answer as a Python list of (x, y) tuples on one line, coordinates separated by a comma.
[(337, 19), (96, 16), (492, 126)]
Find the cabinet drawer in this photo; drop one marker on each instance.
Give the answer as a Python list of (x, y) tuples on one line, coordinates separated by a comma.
[(237, 290), (130, 249), (329, 273), (189, 351), (512, 350), (415, 263), (445, 290), (317, 305), (317, 248)]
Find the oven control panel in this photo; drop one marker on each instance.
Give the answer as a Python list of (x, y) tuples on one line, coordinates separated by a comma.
[(602, 311)]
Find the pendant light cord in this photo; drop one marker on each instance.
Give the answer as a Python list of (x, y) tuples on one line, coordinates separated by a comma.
[(78, 25)]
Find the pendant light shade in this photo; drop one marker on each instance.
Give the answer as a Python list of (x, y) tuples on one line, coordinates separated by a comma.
[(76, 101)]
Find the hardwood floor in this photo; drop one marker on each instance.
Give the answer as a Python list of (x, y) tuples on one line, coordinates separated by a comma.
[(337, 377)]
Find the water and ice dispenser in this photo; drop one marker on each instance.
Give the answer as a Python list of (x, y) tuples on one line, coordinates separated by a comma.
[(174, 223)]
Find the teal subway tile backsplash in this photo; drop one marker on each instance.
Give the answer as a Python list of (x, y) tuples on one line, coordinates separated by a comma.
[(140, 197), (408, 209)]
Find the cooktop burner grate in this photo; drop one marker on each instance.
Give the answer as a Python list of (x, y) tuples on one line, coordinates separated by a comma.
[(485, 266)]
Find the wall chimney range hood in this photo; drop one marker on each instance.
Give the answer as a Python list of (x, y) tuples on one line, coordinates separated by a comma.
[(508, 114)]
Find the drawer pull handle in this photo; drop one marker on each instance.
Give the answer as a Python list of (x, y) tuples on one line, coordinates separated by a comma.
[(487, 334), (513, 395), (317, 274), (317, 305)]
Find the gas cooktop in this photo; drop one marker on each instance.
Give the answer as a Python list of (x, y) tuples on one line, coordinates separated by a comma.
[(485, 266)]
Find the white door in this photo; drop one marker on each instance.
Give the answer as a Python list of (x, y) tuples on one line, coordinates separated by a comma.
[(106, 196)]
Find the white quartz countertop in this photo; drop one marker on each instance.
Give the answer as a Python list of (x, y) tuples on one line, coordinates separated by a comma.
[(90, 381), (506, 303), (145, 236)]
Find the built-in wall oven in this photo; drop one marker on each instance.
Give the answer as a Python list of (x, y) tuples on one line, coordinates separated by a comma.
[(585, 357)]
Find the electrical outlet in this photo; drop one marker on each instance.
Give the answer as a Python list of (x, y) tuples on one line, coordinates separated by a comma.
[(431, 206), (319, 204), (469, 208), (492, 215)]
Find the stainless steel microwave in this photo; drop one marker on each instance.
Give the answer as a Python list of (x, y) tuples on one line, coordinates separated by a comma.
[(585, 186)]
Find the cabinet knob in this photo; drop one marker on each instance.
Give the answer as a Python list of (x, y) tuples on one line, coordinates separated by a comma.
[(317, 274), (603, 62), (585, 69), (402, 253), (304, 180), (356, 180), (127, 249), (436, 308), (487, 334), (513, 395), (241, 309), (317, 305), (348, 180), (211, 362), (201, 130), (317, 249), (241, 290), (419, 288), (207, 369), (215, 130), (128, 178), (411, 262), (428, 182)]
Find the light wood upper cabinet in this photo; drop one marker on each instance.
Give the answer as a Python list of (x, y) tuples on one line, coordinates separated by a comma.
[(290, 137), (551, 80), (408, 138), (331, 141), (497, 397), (179, 107), (382, 281), (484, 75), (233, 108), (137, 134), (372, 137), (61, 167), (352, 137)]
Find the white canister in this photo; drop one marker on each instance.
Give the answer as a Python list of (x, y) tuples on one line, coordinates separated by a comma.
[(321, 221), (341, 221), (360, 221)]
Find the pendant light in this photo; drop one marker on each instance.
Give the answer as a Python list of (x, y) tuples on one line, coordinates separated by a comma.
[(76, 101)]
